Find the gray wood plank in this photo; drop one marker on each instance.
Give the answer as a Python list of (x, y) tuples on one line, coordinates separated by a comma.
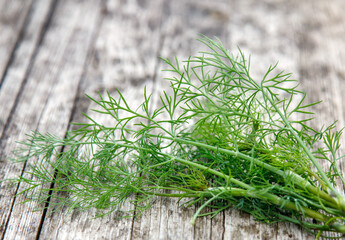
[(22, 59), (182, 22), (125, 58), (322, 57), (263, 34), (12, 18), (47, 101)]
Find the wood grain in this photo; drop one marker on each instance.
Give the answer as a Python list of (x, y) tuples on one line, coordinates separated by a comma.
[(52, 51), (17, 72), (13, 17), (47, 100)]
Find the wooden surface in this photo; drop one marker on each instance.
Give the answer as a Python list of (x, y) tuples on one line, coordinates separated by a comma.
[(53, 51)]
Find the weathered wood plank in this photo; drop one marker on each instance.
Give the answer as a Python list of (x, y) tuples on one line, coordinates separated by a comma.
[(263, 34), (47, 100), (12, 19), (182, 22), (124, 58), (17, 71), (321, 63), (221, 22), (8, 93)]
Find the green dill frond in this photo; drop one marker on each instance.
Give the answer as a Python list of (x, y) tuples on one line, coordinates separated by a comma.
[(221, 139)]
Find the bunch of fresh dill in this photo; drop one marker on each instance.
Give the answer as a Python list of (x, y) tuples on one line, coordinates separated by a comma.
[(220, 139)]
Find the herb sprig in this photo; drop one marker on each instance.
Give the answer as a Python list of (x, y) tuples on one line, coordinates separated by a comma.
[(220, 139)]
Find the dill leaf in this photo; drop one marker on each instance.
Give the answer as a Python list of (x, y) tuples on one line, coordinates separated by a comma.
[(219, 138)]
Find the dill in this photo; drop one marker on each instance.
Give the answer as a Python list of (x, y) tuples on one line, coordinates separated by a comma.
[(219, 138)]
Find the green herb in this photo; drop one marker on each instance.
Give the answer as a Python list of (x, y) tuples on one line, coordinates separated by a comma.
[(220, 139)]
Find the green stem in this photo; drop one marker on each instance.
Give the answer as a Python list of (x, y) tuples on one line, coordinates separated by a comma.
[(299, 140), (282, 203), (308, 225), (204, 205), (295, 178), (302, 183), (251, 192), (340, 198), (208, 169), (237, 192), (248, 190)]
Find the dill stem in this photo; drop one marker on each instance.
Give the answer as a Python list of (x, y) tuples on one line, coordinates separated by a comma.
[(295, 178), (280, 202), (299, 140), (340, 197), (253, 193), (248, 191), (298, 180), (237, 192)]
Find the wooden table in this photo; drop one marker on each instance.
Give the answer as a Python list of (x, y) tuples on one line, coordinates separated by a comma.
[(54, 51)]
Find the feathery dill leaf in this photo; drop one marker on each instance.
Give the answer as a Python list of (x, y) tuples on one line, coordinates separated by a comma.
[(220, 139)]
